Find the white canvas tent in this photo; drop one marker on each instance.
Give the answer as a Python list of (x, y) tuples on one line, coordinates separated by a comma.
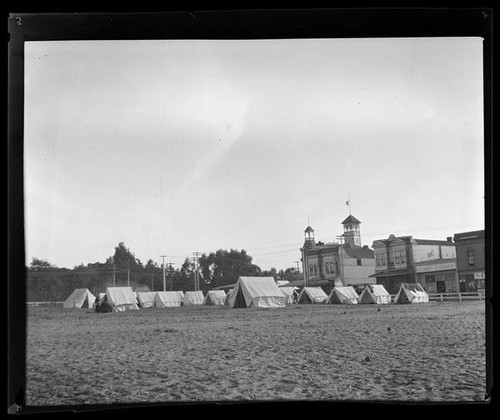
[(215, 297), (226, 300), (343, 295), (80, 298), (411, 293), (99, 298), (288, 292), (146, 299), (374, 293), (168, 299), (120, 299), (312, 295), (193, 298), (282, 283), (258, 292)]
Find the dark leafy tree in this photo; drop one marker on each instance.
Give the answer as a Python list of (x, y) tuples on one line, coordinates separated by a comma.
[(223, 267), (124, 259)]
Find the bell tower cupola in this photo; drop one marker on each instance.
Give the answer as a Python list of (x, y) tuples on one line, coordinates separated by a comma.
[(309, 237), (352, 234)]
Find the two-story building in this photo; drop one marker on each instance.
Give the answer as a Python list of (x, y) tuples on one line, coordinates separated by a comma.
[(470, 260), (405, 259), (337, 263)]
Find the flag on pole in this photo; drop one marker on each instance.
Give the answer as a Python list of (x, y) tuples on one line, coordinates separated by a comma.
[(347, 203)]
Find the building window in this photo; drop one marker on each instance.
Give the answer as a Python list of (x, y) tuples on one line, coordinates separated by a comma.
[(380, 259), (399, 257), (313, 269), (430, 278), (358, 260), (329, 267), (471, 257)]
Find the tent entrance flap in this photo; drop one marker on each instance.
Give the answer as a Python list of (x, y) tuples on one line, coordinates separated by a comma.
[(239, 301)]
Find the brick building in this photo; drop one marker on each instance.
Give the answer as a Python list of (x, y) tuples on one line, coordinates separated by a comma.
[(334, 264), (470, 260), (405, 259)]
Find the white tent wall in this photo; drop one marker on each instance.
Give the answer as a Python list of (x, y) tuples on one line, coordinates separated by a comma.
[(79, 298), (168, 299), (193, 298), (258, 292), (375, 293), (215, 297), (343, 295), (100, 297), (314, 295), (288, 292), (121, 299), (281, 283), (146, 299), (411, 293), (228, 296)]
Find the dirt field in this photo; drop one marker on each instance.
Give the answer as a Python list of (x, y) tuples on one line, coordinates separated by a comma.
[(427, 352)]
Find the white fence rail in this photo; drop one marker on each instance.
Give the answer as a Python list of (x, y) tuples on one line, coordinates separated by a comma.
[(43, 303), (456, 296), (441, 297)]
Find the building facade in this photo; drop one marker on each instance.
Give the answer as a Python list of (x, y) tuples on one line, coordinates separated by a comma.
[(405, 259), (470, 260), (336, 264)]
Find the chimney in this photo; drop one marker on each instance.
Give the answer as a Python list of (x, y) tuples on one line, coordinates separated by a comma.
[(449, 239)]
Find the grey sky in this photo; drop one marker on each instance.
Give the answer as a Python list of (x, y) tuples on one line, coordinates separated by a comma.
[(181, 146)]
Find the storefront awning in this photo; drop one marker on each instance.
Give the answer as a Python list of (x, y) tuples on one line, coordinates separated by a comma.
[(391, 273)]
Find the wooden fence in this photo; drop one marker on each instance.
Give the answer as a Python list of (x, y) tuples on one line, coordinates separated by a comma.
[(456, 296), (441, 297), (43, 303)]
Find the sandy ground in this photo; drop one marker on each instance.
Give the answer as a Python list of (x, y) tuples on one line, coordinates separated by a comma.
[(427, 352)]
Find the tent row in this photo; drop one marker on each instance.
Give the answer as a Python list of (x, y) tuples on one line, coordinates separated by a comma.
[(258, 292), (262, 292), (124, 298), (372, 293)]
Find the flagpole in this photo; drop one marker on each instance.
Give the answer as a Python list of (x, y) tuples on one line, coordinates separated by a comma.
[(348, 202)]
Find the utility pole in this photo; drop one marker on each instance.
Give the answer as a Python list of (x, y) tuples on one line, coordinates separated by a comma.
[(298, 268), (114, 276), (306, 266), (341, 237), (196, 255), (163, 267), (128, 278)]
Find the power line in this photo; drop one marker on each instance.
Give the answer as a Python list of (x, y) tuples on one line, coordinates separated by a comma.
[(276, 252)]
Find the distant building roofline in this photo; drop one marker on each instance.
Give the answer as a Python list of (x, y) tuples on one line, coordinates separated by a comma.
[(475, 234), (410, 239), (350, 219)]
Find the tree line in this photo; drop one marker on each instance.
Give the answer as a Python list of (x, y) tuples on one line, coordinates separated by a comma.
[(46, 282)]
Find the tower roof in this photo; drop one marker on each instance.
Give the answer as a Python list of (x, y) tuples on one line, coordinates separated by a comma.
[(350, 219), (309, 229)]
